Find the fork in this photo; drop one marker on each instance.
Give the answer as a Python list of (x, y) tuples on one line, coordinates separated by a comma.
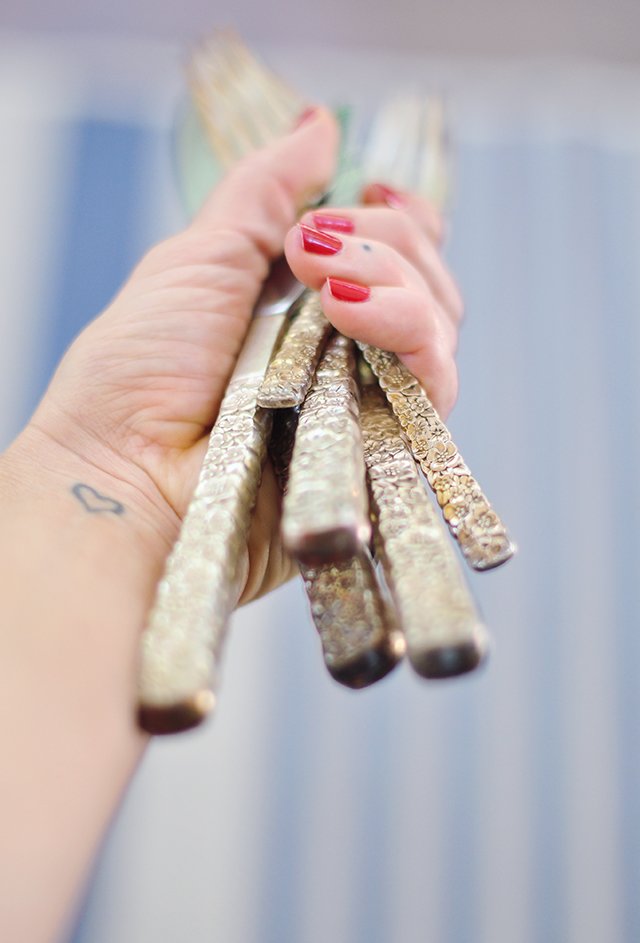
[(182, 643)]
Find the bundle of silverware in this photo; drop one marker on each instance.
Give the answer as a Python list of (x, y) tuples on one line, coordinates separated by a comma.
[(352, 437)]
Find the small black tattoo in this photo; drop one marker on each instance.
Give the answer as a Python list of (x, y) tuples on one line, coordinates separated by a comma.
[(367, 247), (96, 503)]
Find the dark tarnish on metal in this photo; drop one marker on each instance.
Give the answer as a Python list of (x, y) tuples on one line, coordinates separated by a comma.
[(443, 632), (472, 521), (361, 641)]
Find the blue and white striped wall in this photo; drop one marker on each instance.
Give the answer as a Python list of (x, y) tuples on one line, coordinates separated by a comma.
[(502, 808)]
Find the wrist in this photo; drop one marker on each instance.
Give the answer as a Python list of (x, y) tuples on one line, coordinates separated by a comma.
[(46, 475)]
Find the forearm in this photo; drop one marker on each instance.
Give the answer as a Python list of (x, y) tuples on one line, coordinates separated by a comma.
[(77, 575)]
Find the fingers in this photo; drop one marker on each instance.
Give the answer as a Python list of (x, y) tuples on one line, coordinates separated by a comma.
[(382, 281), (406, 234), (370, 292), (404, 321)]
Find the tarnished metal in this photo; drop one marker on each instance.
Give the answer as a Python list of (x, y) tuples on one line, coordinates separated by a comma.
[(290, 374), (361, 641), (203, 577), (325, 515), (437, 613), (472, 521)]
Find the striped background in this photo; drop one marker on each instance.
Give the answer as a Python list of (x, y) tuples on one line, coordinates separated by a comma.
[(503, 808)]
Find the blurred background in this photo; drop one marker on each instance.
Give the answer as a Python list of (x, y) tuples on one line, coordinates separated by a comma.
[(500, 808)]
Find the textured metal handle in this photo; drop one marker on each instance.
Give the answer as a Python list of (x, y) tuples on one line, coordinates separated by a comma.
[(361, 640), (182, 643), (325, 514), (438, 616), (472, 521), (291, 371)]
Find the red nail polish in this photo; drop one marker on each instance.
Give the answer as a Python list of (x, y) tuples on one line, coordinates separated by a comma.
[(319, 242), (379, 193), (306, 115), (333, 223), (347, 291)]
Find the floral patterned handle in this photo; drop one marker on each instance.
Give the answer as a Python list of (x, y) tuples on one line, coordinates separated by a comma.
[(472, 521)]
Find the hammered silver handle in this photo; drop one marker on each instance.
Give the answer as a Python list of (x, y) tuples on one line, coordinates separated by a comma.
[(358, 628), (325, 510), (443, 632), (472, 521), (182, 643), (361, 639), (291, 371)]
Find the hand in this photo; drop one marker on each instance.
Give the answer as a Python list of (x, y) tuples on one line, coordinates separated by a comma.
[(127, 416), (140, 388), (399, 295)]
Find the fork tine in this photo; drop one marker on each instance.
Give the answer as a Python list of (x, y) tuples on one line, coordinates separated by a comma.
[(243, 106)]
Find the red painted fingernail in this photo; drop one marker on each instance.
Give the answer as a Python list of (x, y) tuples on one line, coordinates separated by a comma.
[(347, 291), (306, 115), (379, 193), (334, 223), (319, 242)]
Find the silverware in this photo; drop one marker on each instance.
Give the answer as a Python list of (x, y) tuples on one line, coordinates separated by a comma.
[(442, 629), (204, 574), (325, 516), (472, 521), (291, 371), (361, 639)]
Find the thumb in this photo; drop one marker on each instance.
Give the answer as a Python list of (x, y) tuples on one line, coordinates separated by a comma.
[(265, 193)]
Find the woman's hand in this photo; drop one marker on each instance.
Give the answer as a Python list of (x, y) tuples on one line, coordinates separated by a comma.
[(138, 391), (382, 281), (93, 491)]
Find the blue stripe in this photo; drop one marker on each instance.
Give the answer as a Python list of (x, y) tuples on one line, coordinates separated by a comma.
[(98, 241), (506, 253)]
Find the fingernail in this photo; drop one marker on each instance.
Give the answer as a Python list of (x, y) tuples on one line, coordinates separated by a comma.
[(319, 242), (379, 193), (334, 223), (306, 115), (347, 291)]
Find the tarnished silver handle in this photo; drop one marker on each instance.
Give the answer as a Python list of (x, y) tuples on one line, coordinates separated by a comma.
[(325, 510), (472, 521), (361, 639), (182, 643), (291, 371), (443, 632)]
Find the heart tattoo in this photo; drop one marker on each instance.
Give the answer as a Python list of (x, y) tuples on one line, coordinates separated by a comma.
[(96, 503)]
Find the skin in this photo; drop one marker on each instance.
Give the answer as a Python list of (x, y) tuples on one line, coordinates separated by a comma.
[(93, 491)]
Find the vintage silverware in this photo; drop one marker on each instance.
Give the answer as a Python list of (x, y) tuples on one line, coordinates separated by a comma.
[(471, 519), (291, 372), (361, 639), (325, 515), (182, 643), (437, 613)]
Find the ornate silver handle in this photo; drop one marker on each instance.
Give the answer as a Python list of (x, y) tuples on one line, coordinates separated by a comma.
[(361, 639), (472, 521), (443, 632), (291, 371), (182, 643), (325, 510)]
